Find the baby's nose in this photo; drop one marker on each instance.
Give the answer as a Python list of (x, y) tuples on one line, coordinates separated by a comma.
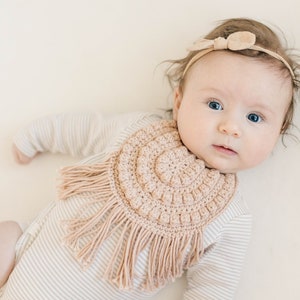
[(230, 127)]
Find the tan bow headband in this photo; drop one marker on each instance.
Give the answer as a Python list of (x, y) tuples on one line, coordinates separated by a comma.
[(240, 40)]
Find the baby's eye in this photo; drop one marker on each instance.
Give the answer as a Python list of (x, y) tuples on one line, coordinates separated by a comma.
[(255, 118), (215, 105)]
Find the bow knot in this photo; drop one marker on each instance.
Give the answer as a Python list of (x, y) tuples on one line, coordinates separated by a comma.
[(240, 40)]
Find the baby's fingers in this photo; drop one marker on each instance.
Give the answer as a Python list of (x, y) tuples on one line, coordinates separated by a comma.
[(20, 157)]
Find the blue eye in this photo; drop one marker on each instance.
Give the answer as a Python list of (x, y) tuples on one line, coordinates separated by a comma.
[(215, 105), (255, 118)]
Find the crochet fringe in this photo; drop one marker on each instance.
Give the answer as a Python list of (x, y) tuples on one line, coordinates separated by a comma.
[(167, 257)]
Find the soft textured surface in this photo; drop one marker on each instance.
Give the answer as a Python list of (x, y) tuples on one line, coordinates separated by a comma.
[(158, 193)]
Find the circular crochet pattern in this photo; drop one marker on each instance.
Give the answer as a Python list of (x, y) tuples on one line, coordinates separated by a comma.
[(158, 180)]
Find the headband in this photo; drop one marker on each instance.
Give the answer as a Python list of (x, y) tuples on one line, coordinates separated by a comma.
[(240, 40)]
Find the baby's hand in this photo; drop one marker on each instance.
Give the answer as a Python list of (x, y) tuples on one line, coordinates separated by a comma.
[(20, 157)]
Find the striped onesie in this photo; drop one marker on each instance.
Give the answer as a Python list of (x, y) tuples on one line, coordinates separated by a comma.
[(45, 267)]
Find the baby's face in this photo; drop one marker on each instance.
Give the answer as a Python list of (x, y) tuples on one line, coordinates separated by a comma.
[(231, 110)]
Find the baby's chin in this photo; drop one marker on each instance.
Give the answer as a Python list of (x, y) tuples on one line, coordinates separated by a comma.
[(219, 165), (220, 169)]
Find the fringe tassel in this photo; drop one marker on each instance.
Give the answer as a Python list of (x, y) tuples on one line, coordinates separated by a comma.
[(166, 258), (85, 235), (196, 250), (86, 178)]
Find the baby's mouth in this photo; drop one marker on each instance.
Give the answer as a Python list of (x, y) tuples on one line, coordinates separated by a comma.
[(225, 150)]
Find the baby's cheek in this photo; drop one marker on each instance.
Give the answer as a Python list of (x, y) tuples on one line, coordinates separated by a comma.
[(259, 155)]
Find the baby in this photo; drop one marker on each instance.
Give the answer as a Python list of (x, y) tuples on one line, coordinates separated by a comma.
[(157, 197)]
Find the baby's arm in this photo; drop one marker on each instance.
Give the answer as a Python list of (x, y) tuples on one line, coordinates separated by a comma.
[(80, 135), (74, 134), (217, 274), (9, 234)]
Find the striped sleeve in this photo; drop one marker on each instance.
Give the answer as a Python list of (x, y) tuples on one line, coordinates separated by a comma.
[(217, 274), (63, 133), (77, 134)]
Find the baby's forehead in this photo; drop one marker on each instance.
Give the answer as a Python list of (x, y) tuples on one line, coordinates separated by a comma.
[(236, 75), (221, 63)]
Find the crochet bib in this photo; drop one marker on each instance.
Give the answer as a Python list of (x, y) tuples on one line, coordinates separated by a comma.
[(159, 194)]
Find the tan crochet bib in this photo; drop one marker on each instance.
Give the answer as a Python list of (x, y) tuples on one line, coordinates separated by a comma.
[(158, 193)]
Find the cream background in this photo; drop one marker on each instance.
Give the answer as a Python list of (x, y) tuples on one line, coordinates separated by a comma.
[(63, 55)]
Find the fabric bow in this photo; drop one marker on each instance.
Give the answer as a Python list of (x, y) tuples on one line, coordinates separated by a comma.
[(240, 40)]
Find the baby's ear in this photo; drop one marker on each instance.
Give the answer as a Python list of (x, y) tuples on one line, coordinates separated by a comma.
[(177, 101)]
